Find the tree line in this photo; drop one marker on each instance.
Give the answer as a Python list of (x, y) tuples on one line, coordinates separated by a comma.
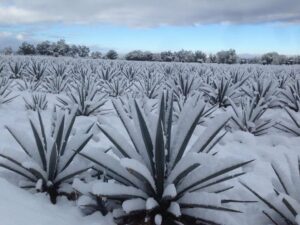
[(61, 48)]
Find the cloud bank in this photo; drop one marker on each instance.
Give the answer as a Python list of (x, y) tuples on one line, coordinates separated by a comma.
[(149, 13)]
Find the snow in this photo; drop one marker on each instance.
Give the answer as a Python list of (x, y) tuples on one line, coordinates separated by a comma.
[(133, 205), (151, 203), (174, 209), (19, 207), (113, 189), (22, 207), (170, 192), (136, 166), (158, 219)]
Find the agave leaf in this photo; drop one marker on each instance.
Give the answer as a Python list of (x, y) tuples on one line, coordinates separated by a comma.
[(269, 204), (39, 144)]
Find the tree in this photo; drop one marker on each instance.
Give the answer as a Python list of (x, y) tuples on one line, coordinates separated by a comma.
[(212, 58), (74, 51), (112, 54), (62, 48), (167, 56), (200, 57), (96, 55), (83, 51), (185, 56), (270, 58), (139, 56), (27, 49), (228, 57), (7, 51), (44, 48)]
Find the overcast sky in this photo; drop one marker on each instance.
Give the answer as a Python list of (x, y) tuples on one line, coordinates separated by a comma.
[(249, 26)]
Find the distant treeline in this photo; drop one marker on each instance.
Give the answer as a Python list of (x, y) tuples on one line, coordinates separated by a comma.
[(61, 48)]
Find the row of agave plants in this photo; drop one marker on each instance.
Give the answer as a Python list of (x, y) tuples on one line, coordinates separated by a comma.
[(154, 174), (248, 90)]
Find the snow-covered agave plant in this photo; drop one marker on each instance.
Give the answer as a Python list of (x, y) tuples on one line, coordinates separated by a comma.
[(184, 84), (5, 92), (292, 126), (49, 155), (219, 91), (130, 72), (30, 84), (198, 99), (283, 206), (36, 102), (16, 69), (290, 96), (116, 87), (248, 116), (158, 179), (149, 84), (57, 80), (36, 69), (86, 96), (263, 90), (108, 73)]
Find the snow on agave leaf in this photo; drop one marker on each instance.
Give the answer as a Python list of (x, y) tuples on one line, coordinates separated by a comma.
[(50, 153), (158, 181), (283, 206)]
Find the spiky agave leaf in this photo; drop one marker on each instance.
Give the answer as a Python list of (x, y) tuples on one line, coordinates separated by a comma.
[(247, 117), (85, 95), (283, 207), (50, 154), (37, 102), (291, 127), (290, 96), (158, 175), (220, 91), (5, 92)]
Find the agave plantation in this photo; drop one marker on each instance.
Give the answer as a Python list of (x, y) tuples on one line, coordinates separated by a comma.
[(123, 142)]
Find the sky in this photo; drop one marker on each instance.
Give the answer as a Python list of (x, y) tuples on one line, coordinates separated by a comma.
[(249, 26)]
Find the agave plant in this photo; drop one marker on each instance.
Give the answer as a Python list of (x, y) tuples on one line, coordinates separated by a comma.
[(291, 127), (5, 92), (88, 202), (158, 179), (290, 96), (220, 91), (248, 116), (2, 66), (283, 206), (184, 84), (198, 99), (37, 102), (30, 84), (58, 80), (263, 89), (16, 69), (130, 72), (149, 84), (36, 70), (49, 156), (107, 74), (85, 95), (116, 87)]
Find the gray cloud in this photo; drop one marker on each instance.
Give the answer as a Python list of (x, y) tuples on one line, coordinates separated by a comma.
[(147, 13)]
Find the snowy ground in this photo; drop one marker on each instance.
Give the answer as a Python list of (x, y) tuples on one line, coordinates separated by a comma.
[(19, 207)]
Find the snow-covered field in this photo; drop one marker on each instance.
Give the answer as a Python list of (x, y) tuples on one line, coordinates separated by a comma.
[(137, 176)]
